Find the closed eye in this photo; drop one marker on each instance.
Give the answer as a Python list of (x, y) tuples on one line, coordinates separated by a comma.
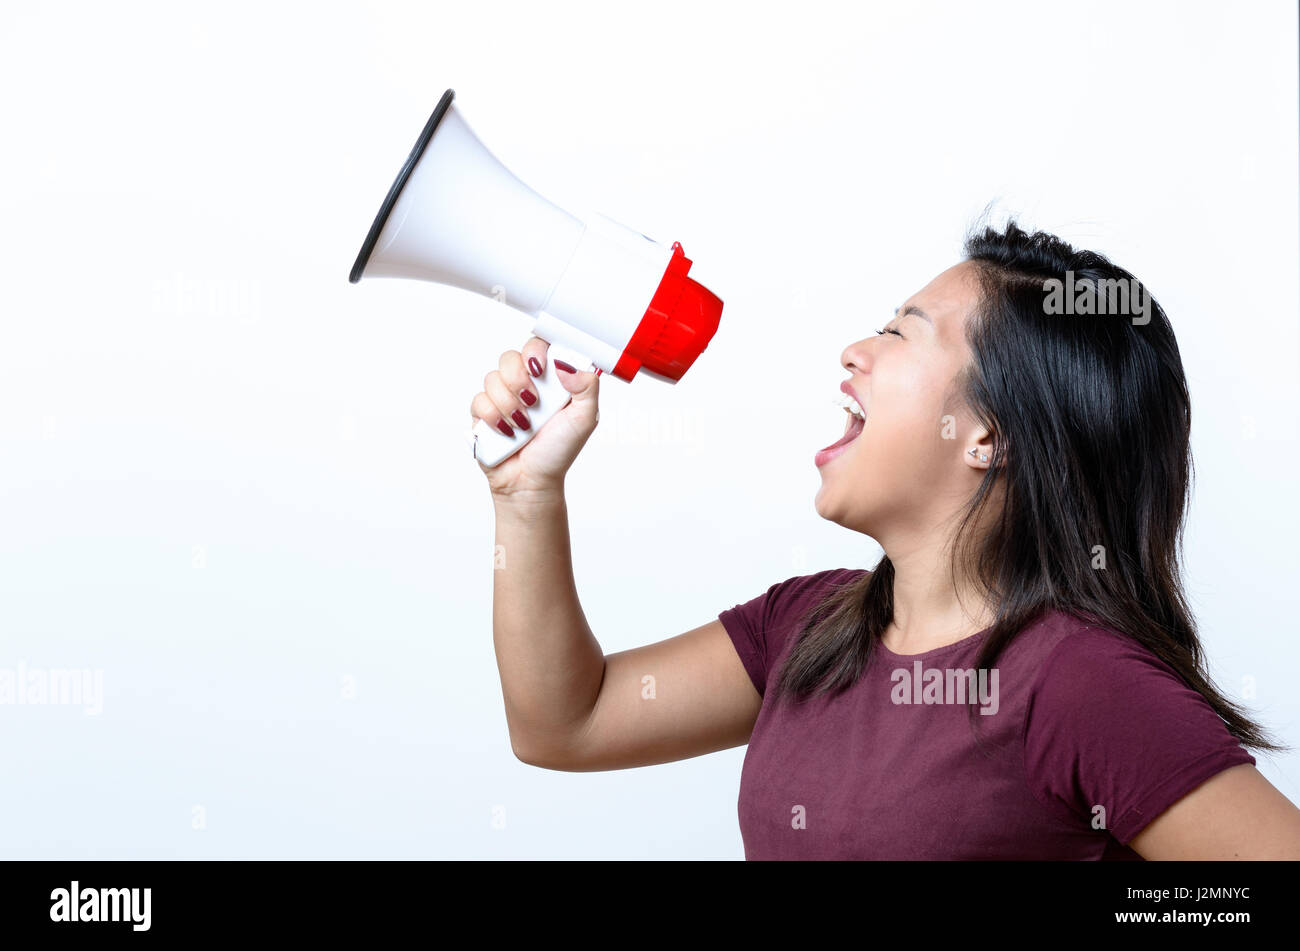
[(888, 330)]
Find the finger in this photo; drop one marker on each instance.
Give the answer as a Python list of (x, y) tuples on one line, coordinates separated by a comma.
[(482, 407), (576, 381), (534, 355), (516, 377), (510, 407)]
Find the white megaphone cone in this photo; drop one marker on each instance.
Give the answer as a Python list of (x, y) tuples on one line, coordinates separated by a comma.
[(604, 296)]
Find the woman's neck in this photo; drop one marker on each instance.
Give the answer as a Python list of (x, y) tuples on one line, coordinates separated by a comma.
[(931, 611)]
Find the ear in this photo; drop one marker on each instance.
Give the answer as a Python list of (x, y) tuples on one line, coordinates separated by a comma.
[(978, 450)]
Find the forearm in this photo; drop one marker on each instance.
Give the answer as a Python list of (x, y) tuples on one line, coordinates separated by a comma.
[(550, 663)]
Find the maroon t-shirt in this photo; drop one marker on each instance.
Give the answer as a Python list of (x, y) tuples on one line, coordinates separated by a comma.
[(1087, 737)]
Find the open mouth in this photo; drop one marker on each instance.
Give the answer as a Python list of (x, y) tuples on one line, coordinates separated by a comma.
[(853, 428)]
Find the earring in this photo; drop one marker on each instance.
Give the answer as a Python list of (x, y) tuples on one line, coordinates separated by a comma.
[(984, 458), (973, 453)]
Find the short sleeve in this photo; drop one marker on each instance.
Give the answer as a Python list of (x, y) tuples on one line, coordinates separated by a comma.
[(1110, 725), (761, 627)]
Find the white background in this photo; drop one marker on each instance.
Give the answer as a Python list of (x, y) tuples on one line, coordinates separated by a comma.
[(235, 483)]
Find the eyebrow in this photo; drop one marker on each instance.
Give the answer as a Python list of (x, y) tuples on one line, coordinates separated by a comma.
[(911, 310)]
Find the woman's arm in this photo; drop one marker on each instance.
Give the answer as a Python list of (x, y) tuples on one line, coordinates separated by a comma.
[(567, 705), (550, 663), (1235, 814)]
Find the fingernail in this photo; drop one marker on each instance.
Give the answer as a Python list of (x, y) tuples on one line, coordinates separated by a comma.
[(529, 397), (565, 367), (505, 427), (519, 417), (534, 367)]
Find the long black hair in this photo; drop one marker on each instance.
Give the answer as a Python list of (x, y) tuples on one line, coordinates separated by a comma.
[(1091, 419)]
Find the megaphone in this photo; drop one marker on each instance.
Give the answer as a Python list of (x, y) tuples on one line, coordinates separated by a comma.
[(603, 296)]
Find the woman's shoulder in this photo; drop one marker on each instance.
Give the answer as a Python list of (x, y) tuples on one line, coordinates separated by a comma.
[(793, 596), (1111, 724), (1078, 651), (801, 592), (829, 578), (1071, 662), (762, 626), (1096, 677)]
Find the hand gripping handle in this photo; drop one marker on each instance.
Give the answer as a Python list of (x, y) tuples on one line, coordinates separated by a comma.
[(492, 447)]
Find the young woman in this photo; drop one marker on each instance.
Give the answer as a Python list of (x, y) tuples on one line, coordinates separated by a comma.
[(1018, 678)]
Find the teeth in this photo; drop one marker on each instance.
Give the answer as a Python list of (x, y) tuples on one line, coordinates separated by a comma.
[(850, 404)]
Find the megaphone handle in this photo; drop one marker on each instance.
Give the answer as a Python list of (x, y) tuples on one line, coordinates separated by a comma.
[(492, 447)]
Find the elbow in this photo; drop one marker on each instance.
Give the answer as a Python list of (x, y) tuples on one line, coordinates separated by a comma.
[(528, 753), (526, 756), (543, 758)]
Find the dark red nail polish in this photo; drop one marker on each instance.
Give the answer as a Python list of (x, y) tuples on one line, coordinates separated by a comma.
[(534, 367), (505, 427), (565, 367), (529, 397), (519, 417)]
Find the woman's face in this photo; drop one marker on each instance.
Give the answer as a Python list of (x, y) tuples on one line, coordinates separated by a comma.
[(910, 468)]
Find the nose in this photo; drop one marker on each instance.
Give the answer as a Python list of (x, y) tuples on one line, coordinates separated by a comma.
[(857, 356)]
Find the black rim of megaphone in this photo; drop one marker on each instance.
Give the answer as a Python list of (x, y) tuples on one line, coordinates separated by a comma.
[(372, 238)]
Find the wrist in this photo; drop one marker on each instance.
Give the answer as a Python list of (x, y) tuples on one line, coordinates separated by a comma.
[(528, 499)]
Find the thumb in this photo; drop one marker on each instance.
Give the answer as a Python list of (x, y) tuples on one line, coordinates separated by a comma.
[(582, 386)]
